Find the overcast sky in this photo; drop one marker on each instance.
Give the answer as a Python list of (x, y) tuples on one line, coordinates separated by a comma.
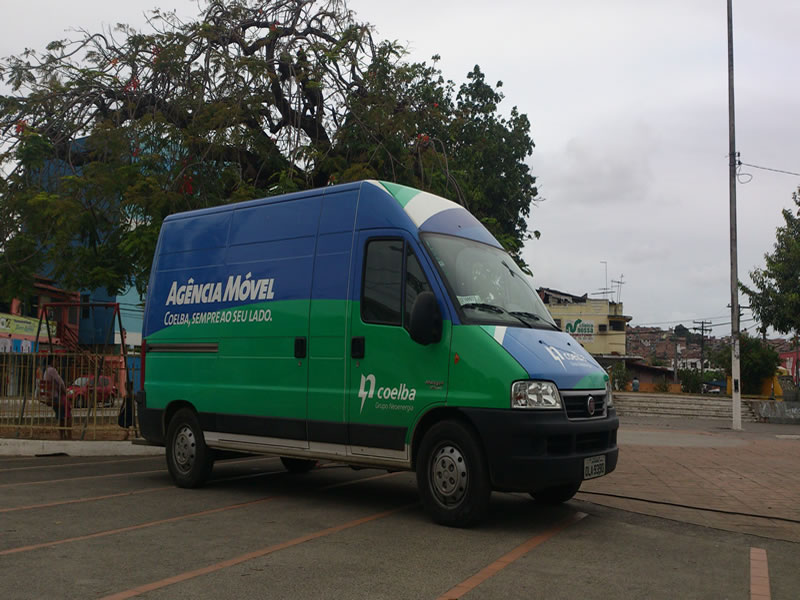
[(628, 105)]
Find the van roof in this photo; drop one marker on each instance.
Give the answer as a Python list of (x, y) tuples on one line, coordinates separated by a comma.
[(434, 214), (428, 212)]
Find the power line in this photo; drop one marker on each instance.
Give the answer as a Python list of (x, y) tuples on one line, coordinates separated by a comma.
[(744, 164), (680, 321), (728, 323)]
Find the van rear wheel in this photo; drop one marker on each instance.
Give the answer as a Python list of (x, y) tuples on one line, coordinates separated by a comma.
[(452, 475), (557, 494), (298, 465), (189, 460)]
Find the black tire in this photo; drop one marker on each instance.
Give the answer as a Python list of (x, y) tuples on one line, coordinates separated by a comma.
[(298, 465), (557, 494), (452, 475), (189, 460)]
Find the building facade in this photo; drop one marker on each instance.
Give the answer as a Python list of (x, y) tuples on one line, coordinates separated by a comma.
[(598, 324)]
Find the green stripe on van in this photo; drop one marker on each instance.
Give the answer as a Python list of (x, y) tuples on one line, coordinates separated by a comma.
[(403, 194), (498, 332), (595, 381)]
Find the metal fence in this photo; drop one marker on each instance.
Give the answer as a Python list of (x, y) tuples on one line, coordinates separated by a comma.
[(98, 403)]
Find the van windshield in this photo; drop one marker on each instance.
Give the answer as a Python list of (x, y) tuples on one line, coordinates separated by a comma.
[(487, 284)]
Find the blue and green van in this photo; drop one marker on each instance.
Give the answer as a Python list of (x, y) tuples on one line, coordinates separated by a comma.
[(372, 324)]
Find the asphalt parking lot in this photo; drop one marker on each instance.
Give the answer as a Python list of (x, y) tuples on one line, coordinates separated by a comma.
[(116, 527)]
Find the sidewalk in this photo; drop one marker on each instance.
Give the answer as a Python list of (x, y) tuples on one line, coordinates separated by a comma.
[(24, 447), (683, 463)]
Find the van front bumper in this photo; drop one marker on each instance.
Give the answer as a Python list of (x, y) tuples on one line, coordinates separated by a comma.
[(532, 450)]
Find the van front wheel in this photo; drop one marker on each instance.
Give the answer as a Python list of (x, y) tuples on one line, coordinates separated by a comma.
[(452, 475), (189, 460)]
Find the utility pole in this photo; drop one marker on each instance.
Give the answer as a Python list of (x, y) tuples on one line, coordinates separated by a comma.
[(675, 339), (733, 159), (702, 330)]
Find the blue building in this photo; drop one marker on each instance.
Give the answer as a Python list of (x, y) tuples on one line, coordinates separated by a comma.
[(97, 323)]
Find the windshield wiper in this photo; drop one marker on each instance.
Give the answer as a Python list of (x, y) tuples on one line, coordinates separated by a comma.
[(527, 315), (520, 314), (493, 308)]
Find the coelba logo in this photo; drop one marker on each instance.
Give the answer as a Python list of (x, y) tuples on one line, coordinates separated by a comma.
[(384, 393), (236, 289), (562, 356)]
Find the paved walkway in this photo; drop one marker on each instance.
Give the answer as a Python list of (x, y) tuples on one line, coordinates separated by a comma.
[(702, 472)]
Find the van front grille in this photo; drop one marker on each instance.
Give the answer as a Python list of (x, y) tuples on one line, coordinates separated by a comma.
[(577, 404)]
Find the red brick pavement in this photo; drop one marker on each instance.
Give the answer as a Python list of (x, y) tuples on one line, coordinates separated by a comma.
[(721, 472)]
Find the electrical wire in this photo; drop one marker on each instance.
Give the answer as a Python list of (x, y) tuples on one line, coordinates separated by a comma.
[(741, 176), (678, 321), (728, 323), (678, 505), (744, 164)]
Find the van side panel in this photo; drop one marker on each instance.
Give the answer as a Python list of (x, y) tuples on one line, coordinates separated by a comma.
[(258, 373), (239, 308), (328, 347), (197, 245)]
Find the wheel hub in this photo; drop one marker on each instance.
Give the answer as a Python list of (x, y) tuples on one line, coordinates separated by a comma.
[(184, 449), (449, 474)]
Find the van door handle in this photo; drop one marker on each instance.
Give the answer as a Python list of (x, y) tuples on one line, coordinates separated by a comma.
[(357, 347), (300, 347)]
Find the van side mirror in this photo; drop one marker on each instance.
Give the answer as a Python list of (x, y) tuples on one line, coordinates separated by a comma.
[(425, 326)]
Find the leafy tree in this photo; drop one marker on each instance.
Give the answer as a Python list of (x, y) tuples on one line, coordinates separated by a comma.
[(758, 362), (683, 332), (619, 376), (105, 135), (692, 380), (775, 298)]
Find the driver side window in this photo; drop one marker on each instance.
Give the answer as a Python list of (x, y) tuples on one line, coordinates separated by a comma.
[(389, 291)]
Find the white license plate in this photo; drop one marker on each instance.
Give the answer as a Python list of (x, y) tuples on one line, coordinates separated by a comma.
[(594, 466)]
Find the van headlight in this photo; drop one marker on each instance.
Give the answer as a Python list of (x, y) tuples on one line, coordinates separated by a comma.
[(609, 395), (535, 394)]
